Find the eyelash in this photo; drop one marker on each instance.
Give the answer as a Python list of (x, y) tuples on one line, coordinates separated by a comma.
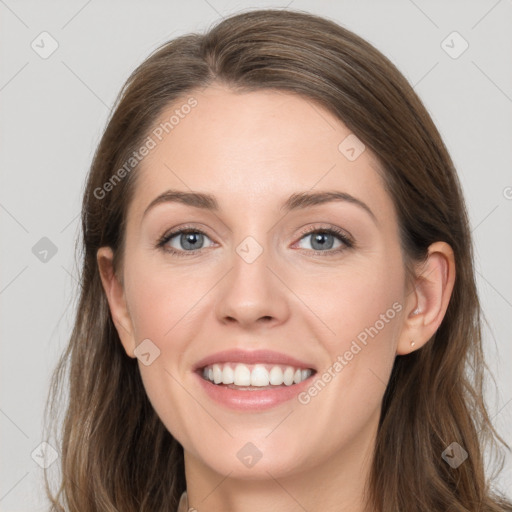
[(341, 235)]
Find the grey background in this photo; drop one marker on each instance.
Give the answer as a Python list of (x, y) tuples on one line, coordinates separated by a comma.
[(53, 113)]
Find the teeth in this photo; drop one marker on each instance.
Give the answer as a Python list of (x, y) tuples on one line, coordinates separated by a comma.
[(228, 375), (258, 375), (288, 376), (217, 374), (276, 376), (242, 375)]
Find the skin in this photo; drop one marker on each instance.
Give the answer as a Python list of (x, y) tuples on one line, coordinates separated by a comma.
[(261, 147)]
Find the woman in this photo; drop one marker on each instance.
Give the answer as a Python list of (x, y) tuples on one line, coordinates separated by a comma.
[(278, 306)]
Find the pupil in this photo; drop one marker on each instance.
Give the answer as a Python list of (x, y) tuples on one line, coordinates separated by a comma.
[(191, 239), (320, 239)]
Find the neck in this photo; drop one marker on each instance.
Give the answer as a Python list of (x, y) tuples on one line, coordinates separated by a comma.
[(335, 484)]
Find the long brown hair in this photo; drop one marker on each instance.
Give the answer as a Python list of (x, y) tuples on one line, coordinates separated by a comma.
[(116, 454)]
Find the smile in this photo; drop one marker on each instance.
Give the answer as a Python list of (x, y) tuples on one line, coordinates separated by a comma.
[(252, 388), (254, 375)]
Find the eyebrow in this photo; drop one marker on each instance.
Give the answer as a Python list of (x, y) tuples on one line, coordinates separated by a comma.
[(296, 201)]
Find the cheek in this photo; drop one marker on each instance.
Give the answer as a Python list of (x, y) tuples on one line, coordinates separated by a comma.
[(160, 300), (355, 300), (164, 309), (361, 312)]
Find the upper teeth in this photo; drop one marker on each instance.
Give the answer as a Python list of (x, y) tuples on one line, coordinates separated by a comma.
[(255, 375)]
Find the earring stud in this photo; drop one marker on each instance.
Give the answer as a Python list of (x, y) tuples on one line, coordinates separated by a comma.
[(412, 343), (416, 311)]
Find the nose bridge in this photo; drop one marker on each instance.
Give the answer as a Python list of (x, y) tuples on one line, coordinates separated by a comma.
[(251, 292)]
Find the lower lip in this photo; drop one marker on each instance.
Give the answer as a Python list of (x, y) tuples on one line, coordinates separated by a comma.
[(251, 400)]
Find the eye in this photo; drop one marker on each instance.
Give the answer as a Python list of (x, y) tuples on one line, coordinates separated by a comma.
[(187, 240), (322, 240)]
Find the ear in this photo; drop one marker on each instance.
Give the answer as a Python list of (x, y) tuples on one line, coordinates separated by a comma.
[(427, 302), (114, 291)]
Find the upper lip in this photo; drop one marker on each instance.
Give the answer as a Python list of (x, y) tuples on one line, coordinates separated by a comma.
[(251, 357)]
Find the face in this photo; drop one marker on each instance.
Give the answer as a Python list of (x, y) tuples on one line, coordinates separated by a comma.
[(322, 283)]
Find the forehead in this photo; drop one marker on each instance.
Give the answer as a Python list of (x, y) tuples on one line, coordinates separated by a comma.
[(254, 149)]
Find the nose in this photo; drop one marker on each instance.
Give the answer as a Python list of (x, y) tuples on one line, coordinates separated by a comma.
[(252, 294)]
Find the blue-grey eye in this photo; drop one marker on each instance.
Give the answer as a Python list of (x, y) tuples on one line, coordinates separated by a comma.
[(322, 240), (188, 240)]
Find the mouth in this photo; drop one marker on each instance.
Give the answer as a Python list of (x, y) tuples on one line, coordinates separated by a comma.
[(254, 377), (252, 381)]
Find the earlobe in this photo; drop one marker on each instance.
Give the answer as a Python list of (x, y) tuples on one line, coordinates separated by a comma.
[(114, 292), (429, 299)]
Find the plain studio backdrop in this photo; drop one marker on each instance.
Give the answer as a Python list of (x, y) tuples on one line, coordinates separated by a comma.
[(62, 65)]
